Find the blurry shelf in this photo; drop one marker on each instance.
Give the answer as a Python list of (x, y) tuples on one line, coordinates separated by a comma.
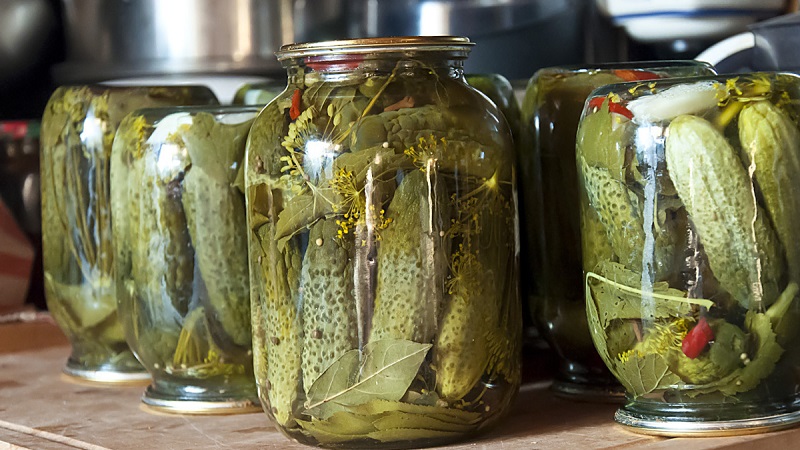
[(41, 409)]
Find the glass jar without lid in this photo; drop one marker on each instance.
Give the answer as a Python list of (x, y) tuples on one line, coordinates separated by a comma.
[(181, 255), (550, 214), (381, 206), (690, 200), (77, 132)]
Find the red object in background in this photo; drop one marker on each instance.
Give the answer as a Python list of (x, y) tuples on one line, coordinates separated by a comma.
[(15, 129), (635, 75), (616, 108), (294, 110), (16, 261), (697, 338)]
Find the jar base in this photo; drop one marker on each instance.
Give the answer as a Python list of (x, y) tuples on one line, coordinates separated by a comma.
[(172, 404), (656, 425), (105, 376), (588, 392)]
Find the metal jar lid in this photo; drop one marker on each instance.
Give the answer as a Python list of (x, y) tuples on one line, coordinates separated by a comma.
[(459, 45)]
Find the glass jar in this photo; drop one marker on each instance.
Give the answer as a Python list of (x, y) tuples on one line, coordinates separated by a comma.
[(180, 252), (76, 136), (258, 93), (500, 91), (690, 195), (550, 214), (383, 224)]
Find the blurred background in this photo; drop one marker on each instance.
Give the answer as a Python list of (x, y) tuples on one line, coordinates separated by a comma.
[(226, 43)]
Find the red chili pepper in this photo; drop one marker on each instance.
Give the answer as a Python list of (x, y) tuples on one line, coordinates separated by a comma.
[(294, 111), (635, 75), (597, 102), (697, 338)]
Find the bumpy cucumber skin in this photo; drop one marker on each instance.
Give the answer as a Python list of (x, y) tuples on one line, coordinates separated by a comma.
[(612, 201), (283, 328), (742, 249), (216, 218), (330, 325), (409, 290), (771, 144)]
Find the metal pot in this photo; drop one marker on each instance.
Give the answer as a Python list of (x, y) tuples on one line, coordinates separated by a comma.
[(112, 39)]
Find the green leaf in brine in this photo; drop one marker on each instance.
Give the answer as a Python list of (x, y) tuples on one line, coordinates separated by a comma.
[(762, 361), (215, 147), (328, 436), (596, 328), (644, 374), (386, 371), (298, 213), (341, 423), (412, 434), (405, 420), (617, 298), (444, 413)]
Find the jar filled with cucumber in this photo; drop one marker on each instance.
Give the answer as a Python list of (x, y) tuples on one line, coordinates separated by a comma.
[(77, 132), (382, 230), (550, 215), (180, 246), (690, 199)]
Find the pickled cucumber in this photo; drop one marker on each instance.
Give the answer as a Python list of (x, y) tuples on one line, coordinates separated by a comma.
[(410, 285), (329, 315)]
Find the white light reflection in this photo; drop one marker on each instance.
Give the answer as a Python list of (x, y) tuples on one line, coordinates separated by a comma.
[(434, 19), (318, 158), (650, 150)]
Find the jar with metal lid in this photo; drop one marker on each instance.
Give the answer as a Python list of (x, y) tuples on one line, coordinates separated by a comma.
[(690, 199), (180, 253), (383, 247), (550, 214), (77, 132)]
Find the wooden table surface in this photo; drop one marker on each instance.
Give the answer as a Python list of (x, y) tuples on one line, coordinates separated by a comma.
[(41, 409)]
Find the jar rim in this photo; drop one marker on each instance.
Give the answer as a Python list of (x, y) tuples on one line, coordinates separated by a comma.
[(375, 45)]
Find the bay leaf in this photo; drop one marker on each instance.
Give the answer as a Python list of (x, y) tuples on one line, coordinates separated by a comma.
[(400, 419), (386, 371), (298, 213), (328, 437), (455, 415), (412, 434), (342, 423)]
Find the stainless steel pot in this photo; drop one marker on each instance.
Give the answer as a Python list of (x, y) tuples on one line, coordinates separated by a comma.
[(513, 37), (112, 39)]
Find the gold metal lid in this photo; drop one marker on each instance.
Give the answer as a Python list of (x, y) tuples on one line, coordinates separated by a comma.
[(376, 45)]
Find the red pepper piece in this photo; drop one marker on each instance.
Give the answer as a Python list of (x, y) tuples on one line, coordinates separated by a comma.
[(697, 338), (597, 102), (635, 75), (294, 110)]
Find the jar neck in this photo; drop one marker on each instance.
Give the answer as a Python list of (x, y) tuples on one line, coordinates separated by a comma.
[(343, 67)]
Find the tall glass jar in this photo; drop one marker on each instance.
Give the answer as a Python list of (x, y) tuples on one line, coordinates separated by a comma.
[(180, 252), (382, 232), (550, 214), (77, 132), (690, 195)]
